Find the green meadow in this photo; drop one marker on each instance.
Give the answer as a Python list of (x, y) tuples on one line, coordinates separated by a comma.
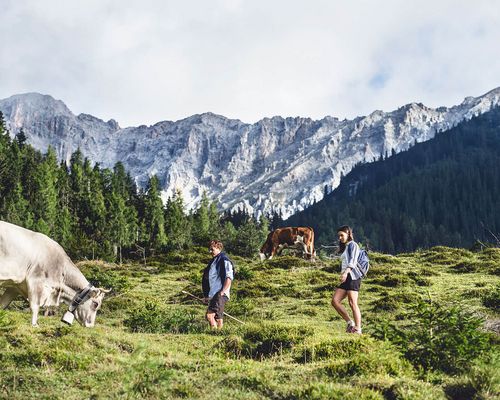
[(431, 322)]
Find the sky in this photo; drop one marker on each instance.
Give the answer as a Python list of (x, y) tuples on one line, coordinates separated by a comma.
[(141, 62)]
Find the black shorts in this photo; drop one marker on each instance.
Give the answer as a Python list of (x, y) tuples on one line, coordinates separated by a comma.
[(216, 305), (350, 284)]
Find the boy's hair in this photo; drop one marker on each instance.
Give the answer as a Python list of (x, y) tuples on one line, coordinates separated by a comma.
[(216, 243)]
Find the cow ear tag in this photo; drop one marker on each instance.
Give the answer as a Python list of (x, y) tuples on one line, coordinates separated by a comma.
[(68, 317)]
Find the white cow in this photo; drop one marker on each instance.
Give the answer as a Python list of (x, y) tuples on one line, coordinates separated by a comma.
[(38, 268)]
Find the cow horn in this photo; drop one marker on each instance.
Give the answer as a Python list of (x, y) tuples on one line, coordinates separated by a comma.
[(105, 290)]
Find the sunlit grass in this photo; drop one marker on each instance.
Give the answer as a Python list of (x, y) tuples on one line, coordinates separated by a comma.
[(292, 345)]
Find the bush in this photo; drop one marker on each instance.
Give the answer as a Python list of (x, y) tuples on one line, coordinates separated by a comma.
[(328, 391), (334, 349), (414, 390), (484, 378), (288, 262), (153, 318), (383, 360), (105, 277), (394, 279), (492, 299), (437, 337), (266, 340), (5, 322), (244, 273), (392, 301)]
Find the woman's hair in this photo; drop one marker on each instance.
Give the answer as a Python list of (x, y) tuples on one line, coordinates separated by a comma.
[(347, 229), (216, 244)]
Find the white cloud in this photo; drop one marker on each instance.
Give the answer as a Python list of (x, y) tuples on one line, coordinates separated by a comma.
[(142, 62)]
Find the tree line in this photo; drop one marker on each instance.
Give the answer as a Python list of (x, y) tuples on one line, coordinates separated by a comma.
[(96, 212)]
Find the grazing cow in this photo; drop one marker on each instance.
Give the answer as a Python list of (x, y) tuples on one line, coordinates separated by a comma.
[(36, 267), (277, 240)]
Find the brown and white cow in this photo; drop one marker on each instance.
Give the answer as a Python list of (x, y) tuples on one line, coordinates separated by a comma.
[(281, 238), (36, 267)]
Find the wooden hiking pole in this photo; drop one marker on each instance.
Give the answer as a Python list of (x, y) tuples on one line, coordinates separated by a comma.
[(201, 300)]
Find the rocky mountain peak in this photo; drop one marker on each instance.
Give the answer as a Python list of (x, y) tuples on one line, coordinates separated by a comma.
[(275, 164)]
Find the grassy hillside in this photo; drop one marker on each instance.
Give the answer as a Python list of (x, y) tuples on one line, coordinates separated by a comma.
[(151, 340)]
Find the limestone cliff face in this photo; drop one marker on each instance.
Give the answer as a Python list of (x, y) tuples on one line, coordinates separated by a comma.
[(275, 164)]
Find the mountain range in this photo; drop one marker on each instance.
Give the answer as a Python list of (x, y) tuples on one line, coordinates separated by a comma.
[(274, 165)]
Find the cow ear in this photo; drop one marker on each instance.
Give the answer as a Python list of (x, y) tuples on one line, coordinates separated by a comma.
[(94, 292)]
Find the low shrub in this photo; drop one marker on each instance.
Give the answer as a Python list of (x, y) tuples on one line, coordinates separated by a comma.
[(392, 301), (491, 299), (490, 254), (102, 275), (419, 279), (266, 340), (334, 349), (244, 272), (446, 255), (465, 267), (391, 280), (148, 379), (328, 391), (484, 377), (383, 360), (5, 322), (288, 262), (414, 390), (151, 317), (436, 337), (239, 307)]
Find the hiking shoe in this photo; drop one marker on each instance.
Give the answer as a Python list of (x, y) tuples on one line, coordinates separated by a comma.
[(355, 330), (350, 326)]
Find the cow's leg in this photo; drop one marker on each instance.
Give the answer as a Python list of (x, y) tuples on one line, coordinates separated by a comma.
[(34, 314), (7, 297), (37, 295)]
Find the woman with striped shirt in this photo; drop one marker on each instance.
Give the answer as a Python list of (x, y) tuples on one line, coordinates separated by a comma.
[(350, 280)]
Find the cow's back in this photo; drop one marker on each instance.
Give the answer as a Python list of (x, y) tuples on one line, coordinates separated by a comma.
[(24, 253)]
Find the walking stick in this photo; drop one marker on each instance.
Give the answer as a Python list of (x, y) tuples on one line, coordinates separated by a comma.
[(225, 313)]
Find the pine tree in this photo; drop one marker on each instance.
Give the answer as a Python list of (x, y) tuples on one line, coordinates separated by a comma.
[(119, 232), (201, 222), (21, 138), (45, 199), (177, 224), (154, 220), (17, 209)]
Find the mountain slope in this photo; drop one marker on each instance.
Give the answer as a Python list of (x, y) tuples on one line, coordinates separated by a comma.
[(444, 191), (275, 164)]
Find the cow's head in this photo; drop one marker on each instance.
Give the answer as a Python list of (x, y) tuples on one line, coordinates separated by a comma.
[(85, 313)]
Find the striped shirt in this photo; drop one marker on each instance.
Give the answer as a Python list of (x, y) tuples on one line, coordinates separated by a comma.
[(350, 260)]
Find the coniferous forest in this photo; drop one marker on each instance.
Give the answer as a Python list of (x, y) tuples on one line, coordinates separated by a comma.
[(96, 212), (445, 191)]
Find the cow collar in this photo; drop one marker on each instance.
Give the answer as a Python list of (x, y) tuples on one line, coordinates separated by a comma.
[(80, 298)]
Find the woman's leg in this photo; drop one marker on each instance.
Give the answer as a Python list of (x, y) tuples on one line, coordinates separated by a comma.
[(352, 296), (338, 296)]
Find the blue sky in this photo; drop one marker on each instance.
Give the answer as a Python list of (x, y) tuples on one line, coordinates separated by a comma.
[(143, 62)]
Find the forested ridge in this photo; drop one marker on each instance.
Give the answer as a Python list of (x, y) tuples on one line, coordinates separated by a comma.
[(445, 191), (96, 212)]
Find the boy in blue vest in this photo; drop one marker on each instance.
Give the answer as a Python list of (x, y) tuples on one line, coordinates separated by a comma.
[(216, 284)]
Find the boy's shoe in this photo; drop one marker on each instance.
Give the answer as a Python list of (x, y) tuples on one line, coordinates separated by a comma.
[(350, 326), (355, 330)]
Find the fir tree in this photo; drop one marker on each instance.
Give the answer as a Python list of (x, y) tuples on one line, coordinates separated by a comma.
[(154, 220), (177, 224)]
